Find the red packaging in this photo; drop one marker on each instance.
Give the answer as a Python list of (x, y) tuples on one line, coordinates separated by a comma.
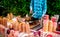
[(46, 17), (49, 35), (54, 19)]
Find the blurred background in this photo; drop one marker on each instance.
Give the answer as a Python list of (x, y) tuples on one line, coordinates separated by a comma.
[(21, 7)]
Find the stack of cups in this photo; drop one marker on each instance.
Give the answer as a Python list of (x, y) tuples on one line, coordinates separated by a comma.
[(50, 26), (24, 30), (54, 23), (45, 23)]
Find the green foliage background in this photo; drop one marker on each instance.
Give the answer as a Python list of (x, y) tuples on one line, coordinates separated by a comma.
[(17, 7), (21, 7), (53, 7)]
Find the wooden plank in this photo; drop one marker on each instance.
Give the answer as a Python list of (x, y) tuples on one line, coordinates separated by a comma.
[(32, 26)]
